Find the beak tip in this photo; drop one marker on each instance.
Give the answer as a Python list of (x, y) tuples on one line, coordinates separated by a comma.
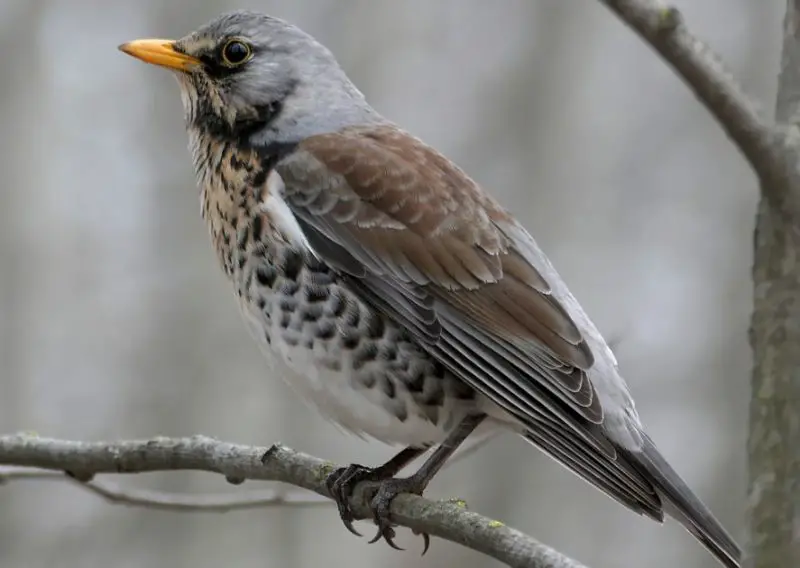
[(160, 52)]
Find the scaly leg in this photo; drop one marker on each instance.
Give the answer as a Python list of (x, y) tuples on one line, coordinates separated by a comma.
[(390, 488), (341, 482)]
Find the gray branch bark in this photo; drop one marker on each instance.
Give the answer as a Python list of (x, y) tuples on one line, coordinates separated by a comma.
[(161, 501), (774, 444), (447, 520)]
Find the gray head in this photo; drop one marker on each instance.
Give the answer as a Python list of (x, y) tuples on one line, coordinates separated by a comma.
[(258, 79)]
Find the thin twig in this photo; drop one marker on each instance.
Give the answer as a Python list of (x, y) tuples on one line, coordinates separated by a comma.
[(221, 503), (448, 519)]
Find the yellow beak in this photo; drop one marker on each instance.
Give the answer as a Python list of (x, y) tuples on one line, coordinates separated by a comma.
[(159, 52)]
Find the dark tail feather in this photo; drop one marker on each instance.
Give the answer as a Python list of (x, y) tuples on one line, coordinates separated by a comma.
[(681, 504), (642, 481)]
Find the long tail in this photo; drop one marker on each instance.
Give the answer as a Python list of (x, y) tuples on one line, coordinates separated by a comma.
[(682, 505), (642, 481)]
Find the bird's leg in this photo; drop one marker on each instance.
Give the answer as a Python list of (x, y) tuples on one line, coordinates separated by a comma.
[(342, 481), (388, 489)]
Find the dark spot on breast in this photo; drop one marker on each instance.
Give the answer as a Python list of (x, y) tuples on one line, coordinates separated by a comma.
[(337, 305), (352, 316), (261, 302), (286, 320), (292, 265), (243, 237), (417, 380), (289, 287), (259, 178), (288, 304), (266, 275), (326, 329), (258, 226), (375, 326), (350, 339), (268, 339), (368, 351), (389, 353), (401, 413), (311, 312), (388, 388), (317, 293)]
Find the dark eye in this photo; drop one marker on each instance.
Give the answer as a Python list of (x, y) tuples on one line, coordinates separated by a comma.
[(236, 52)]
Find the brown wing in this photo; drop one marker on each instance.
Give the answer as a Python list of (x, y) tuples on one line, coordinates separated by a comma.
[(421, 242), (426, 245)]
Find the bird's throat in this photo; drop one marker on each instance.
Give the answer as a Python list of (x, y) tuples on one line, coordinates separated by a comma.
[(240, 195)]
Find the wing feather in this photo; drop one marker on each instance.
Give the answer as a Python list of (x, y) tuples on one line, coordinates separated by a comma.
[(420, 242)]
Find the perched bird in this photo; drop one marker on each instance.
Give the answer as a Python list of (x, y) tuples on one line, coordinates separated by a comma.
[(390, 289)]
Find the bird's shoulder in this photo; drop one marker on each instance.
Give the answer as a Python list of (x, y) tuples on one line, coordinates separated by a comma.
[(402, 197)]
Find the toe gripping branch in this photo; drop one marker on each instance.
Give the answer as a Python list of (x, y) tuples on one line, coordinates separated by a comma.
[(385, 487)]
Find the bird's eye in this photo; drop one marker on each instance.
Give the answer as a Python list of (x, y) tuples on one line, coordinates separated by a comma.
[(236, 52)]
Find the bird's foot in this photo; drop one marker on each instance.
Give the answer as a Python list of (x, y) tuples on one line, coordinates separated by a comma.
[(387, 490), (342, 482)]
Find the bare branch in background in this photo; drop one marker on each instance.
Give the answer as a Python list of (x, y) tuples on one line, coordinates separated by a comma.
[(158, 500), (447, 520)]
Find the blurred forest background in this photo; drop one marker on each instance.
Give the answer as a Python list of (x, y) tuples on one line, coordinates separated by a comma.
[(117, 323)]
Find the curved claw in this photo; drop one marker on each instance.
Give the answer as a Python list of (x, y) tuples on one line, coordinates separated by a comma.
[(387, 533), (346, 516), (381, 504), (426, 541), (340, 485), (347, 521)]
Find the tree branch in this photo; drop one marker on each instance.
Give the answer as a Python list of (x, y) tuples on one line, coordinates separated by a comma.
[(774, 441), (771, 149), (158, 500), (447, 520)]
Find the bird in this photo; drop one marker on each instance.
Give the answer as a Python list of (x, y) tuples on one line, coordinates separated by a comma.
[(388, 288)]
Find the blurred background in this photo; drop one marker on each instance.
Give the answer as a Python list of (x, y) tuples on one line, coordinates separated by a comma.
[(116, 322)]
